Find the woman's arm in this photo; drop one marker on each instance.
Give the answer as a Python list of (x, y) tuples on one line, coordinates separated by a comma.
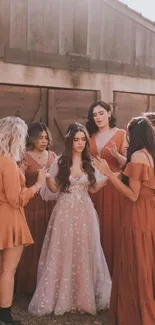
[(98, 185), (131, 191), (52, 186), (16, 195), (119, 157)]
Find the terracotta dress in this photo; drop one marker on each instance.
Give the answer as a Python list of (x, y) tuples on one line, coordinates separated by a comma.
[(133, 288), (13, 197), (37, 214), (107, 202)]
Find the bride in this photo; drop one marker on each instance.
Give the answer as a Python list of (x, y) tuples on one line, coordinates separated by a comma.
[(72, 271)]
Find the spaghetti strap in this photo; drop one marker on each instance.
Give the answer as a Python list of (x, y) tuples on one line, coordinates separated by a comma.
[(148, 157)]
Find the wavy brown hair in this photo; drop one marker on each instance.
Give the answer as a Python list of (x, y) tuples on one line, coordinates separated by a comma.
[(140, 135), (65, 160), (34, 131), (90, 124)]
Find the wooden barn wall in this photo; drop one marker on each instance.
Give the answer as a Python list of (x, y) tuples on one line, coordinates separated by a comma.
[(88, 35)]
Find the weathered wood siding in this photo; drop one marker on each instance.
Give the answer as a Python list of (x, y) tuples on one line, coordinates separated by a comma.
[(91, 35)]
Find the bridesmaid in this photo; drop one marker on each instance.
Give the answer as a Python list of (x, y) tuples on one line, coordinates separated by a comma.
[(14, 232), (37, 211), (108, 142), (133, 286)]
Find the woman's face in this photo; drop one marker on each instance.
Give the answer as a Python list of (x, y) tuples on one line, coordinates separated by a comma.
[(101, 117), (42, 142), (79, 142)]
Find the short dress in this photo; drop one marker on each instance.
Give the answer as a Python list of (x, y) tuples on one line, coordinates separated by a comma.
[(14, 196)]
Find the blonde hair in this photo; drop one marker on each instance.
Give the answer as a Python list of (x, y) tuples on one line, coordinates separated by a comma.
[(13, 132)]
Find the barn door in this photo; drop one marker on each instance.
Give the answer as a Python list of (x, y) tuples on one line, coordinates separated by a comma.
[(29, 103), (128, 105), (65, 107)]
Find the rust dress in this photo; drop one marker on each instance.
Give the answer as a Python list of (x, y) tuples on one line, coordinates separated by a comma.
[(108, 200), (37, 214), (14, 196), (133, 288)]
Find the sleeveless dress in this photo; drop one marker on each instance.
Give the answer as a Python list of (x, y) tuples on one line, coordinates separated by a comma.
[(37, 214), (72, 271), (133, 288), (107, 201)]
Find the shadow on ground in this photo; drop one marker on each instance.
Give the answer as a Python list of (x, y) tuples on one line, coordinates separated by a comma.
[(20, 312)]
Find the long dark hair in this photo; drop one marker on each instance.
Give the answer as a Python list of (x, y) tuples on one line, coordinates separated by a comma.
[(90, 124), (34, 131), (140, 135), (65, 160)]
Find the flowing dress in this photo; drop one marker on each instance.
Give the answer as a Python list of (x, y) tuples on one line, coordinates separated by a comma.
[(72, 272), (107, 201), (133, 288), (37, 213)]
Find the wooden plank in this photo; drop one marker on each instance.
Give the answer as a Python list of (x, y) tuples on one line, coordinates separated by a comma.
[(119, 39), (17, 56), (81, 27), (21, 101), (57, 138), (66, 26), (35, 35), (150, 62), (94, 28), (152, 52), (129, 105), (108, 34), (65, 107), (4, 25), (18, 24), (74, 98), (40, 113), (43, 26), (51, 12), (140, 54), (152, 104), (129, 41)]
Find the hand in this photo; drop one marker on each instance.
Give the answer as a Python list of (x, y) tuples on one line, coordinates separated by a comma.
[(42, 176), (102, 166), (47, 173), (113, 150)]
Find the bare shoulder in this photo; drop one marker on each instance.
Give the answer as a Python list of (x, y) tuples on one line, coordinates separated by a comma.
[(122, 131), (142, 157)]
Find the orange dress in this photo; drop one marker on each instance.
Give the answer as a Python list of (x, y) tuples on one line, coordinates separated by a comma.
[(14, 196), (37, 214), (107, 201), (133, 288)]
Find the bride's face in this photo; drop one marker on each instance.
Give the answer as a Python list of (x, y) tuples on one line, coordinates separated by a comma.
[(79, 142)]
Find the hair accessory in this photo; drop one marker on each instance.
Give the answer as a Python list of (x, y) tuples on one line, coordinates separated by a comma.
[(141, 121), (68, 134)]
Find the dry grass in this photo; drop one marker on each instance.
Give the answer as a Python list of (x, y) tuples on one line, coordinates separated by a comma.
[(20, 312)]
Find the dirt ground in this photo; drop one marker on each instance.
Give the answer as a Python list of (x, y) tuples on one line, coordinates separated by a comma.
[(20, 312)]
